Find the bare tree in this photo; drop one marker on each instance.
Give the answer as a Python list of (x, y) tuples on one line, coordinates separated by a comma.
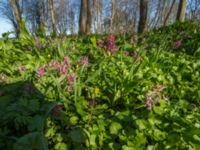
[(143, 16), (97, 15), (112, 15), (89, 18), (72, 21), (181, 10), (193, 10), (85, 18), (168, 13), (18, 15), (40, 13), (82, 18), (53, 20)]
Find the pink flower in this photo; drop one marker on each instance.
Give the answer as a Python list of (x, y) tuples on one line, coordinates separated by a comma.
[(67, 60), (148, 102), (100, 43), (57, 109), (21, 69), (177, 44), (126, 53), (54, 64), (159, 88), (63, 69), (41, 71), (71, 78), (111, 44), (83, 61)]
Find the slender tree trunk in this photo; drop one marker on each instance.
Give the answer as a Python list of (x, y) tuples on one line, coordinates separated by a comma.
[(51, 4), (40, 18), (181, 10), (169, 12), (82, 18), (18, 16), (112, 16), (89, 18), (143, 16), (71, 16), (40, 13), (95, 11)]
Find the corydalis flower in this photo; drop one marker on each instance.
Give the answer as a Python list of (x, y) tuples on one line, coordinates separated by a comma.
[(54, 64), (177, 44), (41, 71), (100, 43), (21, 69), (83, 61), (111, 44), (148, 102), (57, 109), (71, 78), (126, 53), (159, 88), (67, 60), (63, 69)]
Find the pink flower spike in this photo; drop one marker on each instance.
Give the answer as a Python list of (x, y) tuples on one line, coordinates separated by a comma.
[(83, 61), (111, 44), (100, 43), (177, 44), (159, 88), (41, 72), (67, 60), (126, 53), (148, 102), (21, 69), (63, 69), (71, 78)]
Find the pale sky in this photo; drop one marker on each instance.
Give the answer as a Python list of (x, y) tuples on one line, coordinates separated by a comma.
[(4, 26)]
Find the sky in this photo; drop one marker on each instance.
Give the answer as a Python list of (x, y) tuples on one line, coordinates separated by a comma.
[(4, 26)]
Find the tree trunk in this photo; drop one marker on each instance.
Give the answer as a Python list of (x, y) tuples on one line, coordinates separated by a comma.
[(95, 11), (112, 16), (181, 10), (72, 20), (89, 18), (40, 13), (143, 16), (169, 12), (82, 18), (40, 18), (15, 6), (51, 5)]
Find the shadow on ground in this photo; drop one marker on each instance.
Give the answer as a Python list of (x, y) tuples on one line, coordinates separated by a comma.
[(23, 111)]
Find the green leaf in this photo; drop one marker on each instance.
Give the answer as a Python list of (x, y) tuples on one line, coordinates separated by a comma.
[(114, 146), (31, 141), (141, 124), (73, 120), (93, 139), (61, 146), (37, 123), (115, 127), (78, 135), (93, 40), (125, 147)]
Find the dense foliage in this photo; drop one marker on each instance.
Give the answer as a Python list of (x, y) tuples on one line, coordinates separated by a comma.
[(101, 92)]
